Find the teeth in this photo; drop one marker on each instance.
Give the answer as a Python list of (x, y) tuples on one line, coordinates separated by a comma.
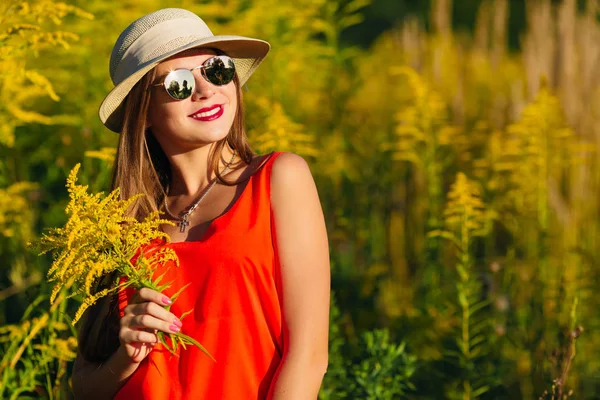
[(207, 114)]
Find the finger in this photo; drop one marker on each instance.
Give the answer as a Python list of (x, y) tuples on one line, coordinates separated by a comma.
[(147, 321), (152, 295), (155, 310), (125, 325), (139, 336)]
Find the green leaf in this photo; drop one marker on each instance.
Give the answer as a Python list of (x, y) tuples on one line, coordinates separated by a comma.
[(161, 337), (174, 297), (185, 314), (160, 278), (480, 391), (195, 343)]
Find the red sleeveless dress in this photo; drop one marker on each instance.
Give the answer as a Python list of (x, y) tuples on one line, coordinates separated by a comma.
[(235, 294)]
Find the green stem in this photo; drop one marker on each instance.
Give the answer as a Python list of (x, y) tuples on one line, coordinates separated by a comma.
[(465, 278)]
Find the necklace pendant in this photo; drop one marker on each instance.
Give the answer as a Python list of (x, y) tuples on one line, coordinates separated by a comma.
[(183, 221), (183, 224)]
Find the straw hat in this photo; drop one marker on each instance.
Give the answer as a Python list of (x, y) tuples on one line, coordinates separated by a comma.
[(160, 35)]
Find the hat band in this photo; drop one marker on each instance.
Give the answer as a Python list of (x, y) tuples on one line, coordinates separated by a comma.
[(160, 34)]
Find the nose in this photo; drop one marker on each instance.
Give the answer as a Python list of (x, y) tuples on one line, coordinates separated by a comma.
[(204, 89)]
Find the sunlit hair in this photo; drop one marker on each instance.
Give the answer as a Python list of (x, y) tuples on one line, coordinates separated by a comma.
[(141, 166)]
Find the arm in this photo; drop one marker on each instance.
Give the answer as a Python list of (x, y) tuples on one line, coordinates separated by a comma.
[(142, 317), (304, 257)]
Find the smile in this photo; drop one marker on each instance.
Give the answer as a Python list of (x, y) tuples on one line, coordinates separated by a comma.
[(208, 113)]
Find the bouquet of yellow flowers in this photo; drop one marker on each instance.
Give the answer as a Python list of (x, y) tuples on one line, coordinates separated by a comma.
[(99, 239)]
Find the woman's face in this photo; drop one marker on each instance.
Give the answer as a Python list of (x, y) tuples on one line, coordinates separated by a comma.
[(181, 125)]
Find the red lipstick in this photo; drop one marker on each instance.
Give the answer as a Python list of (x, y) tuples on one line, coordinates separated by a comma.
[(208, 113)]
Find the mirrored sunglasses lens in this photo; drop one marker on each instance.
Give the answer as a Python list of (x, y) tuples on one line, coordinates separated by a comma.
[(219, 70), (180, 84)]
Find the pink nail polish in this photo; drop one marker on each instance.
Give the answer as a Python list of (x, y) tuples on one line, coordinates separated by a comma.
[(177, 322), (174, 328), (166, 300)]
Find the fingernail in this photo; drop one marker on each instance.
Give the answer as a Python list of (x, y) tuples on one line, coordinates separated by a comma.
[(177, 322), (166, 300), (174, 328)]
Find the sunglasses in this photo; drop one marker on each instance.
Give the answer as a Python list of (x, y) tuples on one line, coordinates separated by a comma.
[(180, 83)]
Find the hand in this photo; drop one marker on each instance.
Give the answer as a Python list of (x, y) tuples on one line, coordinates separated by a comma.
[(144, 316)]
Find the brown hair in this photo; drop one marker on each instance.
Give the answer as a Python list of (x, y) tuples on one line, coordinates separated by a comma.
[(141, 166)]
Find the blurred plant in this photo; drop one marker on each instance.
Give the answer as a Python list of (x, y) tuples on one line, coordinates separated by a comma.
[(465, 218), (17, 220), (565, 357), (16, 216), (98, 165), (380, 370), (24, 33), (539, 149), (28, 30), (383, 369), (35, 353), (530, 166), (424, 137), (105, 154), (99, 239), (20, 277), (279, 133)]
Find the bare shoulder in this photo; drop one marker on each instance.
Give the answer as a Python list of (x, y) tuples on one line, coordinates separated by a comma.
[(292, 185), (289, 170)]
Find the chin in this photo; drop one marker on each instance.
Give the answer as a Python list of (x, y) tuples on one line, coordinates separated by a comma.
[(216, 137), (218, 131), (206, 137)]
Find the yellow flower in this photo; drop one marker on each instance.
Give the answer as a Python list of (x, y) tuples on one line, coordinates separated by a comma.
[(465, 215), (99, 238)]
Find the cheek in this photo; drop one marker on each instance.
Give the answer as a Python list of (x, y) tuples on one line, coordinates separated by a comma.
[(153, 110), (158, 114)]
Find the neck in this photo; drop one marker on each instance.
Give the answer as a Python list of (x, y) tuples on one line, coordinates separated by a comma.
[(190, 170)]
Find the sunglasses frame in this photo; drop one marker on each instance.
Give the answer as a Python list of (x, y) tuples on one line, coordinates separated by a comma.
[(202, 68)]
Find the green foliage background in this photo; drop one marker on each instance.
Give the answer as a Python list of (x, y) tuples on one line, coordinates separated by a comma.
[(455, 148)]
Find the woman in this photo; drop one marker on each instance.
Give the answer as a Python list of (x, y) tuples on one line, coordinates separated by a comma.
[(249, 233)]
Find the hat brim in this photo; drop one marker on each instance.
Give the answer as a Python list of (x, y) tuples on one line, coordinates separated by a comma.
[(247, 54)]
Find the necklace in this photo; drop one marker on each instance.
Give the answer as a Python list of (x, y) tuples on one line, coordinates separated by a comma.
[(184, 220)]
